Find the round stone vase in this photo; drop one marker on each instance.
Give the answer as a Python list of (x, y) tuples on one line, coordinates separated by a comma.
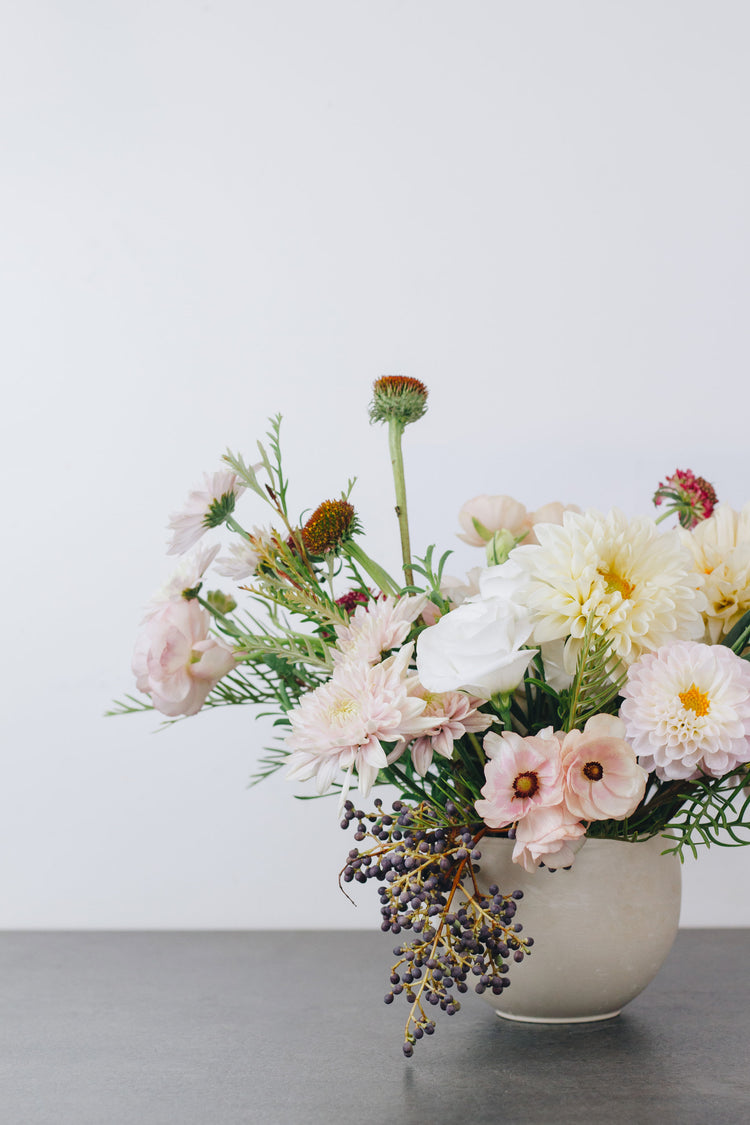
[(601, 929)]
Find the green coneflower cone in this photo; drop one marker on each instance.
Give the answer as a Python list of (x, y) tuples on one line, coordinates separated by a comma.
[(398, 398), (332, 523)]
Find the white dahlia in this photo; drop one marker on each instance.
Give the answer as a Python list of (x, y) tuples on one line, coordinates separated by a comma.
[(687, 708), (720, 547), (635, 581)]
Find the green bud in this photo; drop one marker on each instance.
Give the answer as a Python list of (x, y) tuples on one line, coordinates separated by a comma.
[(221, 602), (500, 545)]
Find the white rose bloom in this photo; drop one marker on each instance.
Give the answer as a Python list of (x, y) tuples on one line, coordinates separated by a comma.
[(476, 648)]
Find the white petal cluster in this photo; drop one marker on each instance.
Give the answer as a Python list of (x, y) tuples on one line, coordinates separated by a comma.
[(636, 582), (479, 646), (720, 548)]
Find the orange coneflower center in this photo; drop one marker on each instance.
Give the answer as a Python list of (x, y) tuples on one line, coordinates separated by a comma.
[(695, 700), (328, 526), (525, 784), (398, 384)]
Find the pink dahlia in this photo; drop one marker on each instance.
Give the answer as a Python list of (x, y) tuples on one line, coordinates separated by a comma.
[(603, 780), (522, 774), (687, 708)]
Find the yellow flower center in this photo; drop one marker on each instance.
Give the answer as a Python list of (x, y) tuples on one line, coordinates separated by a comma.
[(594, 771), (525, 784), (342, 710), (695, 700), (616, 584)]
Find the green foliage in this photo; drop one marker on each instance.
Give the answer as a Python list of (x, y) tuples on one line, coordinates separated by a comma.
[(738, 638), (597, 681), (713, 811)]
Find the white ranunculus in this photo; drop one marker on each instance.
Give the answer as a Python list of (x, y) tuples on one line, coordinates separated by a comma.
[(476, 648)]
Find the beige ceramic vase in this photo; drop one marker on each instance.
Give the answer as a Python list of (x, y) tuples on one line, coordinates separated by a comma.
[(601, 929)]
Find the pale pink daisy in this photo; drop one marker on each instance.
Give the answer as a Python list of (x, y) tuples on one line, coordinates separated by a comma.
[(687, 708), (176, 662), (521, 774), (205, 507), (603, 780), (454, 714), (550, 834), (343, 724), (377, 628), (186, 576), (244, 555)]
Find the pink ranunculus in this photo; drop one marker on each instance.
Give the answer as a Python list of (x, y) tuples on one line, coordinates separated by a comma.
[(495, 513), (176, 662), (602, 777), (522, 774), (551, 835)]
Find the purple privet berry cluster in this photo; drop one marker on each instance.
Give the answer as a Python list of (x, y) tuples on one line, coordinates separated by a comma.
[(427, 870)]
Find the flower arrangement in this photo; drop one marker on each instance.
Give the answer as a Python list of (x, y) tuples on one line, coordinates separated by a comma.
[(591, 680)]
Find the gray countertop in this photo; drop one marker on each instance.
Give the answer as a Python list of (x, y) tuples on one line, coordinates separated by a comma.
[(285, 1028)]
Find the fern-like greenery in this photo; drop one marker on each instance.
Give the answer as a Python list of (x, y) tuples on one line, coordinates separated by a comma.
[(597, 681)]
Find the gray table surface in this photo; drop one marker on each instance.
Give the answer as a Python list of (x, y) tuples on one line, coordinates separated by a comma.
[(284, 1028)]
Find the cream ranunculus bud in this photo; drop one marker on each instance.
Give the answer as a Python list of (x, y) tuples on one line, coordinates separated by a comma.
[(500, 546), (477, 648)]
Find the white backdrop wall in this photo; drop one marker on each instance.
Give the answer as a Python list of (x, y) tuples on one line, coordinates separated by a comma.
[(217, 211)]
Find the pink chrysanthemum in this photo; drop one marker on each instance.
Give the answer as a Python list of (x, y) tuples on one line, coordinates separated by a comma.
[(343, 723), (687, 708), (689, 497), (454, 714), (377, 628), (603, 780), (522, 774)]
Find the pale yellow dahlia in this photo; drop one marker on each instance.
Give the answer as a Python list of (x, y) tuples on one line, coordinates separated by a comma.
[(634, 580), (720, 547)]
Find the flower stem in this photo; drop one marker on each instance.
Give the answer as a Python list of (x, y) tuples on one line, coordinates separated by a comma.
[(395, 433), (353, 551)]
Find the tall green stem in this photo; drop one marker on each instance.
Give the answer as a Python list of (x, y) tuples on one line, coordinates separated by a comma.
[(395, 432)]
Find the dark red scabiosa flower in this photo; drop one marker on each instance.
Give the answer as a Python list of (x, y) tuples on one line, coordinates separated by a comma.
[(351, 599), (689, 497)]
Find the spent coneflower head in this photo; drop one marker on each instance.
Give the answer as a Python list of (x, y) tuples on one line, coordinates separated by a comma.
[(398, 398), (330, 525), (689, 497)]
